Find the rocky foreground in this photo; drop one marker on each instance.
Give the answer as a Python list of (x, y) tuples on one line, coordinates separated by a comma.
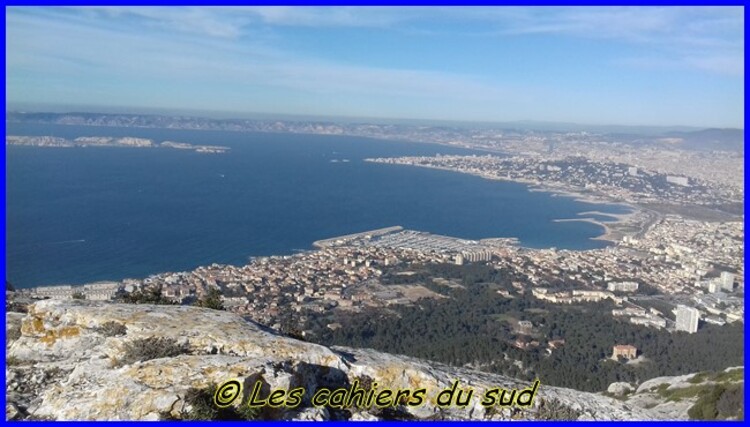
[(81, 360)]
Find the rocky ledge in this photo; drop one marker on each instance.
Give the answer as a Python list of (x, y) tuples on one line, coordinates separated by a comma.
[(82, 360)]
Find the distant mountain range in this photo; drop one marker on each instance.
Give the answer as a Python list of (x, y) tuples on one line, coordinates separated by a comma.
[(690, 138)]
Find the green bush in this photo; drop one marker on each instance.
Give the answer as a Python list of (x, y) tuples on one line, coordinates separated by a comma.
[(202, 408), (720, 402), (730, 376), (211, 299), (151, 295), (553, 409), (150, 348), (699, 378)]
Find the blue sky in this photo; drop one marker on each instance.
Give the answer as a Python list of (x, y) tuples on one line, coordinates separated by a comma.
[(609, 65)]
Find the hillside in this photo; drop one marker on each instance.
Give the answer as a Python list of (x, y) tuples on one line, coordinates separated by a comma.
[(76, 360)]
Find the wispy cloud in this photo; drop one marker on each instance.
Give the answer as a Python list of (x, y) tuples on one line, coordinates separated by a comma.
[(123, 53), (703, 38), (237, 55), (331, 16), (729, 65)]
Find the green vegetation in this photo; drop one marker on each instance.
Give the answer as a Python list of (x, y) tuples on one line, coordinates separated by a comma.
[(733, 375), (200, 407), (151, 295), (200, 404), (553, 409), (679, 393), (729, 376), (78, 295), (721, 401), (211, 299), (150, 348), (467, 329), (112, 329)]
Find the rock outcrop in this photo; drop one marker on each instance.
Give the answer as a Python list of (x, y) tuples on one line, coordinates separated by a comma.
[(671, 397), (73, 360)]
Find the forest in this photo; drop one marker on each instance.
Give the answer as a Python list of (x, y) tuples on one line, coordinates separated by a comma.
[(477, 327)]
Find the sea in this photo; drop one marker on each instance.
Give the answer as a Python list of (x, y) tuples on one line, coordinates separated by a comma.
[(79, 215)]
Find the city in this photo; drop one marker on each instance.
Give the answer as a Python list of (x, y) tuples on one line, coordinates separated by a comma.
[(442, 213), (690, 263)]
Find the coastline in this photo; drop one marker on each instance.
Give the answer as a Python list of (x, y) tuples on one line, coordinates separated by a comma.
[(532, 187), (608, 235)]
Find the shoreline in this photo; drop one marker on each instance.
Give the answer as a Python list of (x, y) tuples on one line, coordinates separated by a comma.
[(608, 235)]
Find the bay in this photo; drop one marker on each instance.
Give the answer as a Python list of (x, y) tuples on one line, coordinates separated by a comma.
[(77, 215)]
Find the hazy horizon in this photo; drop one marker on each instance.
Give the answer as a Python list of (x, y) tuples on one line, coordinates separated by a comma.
[(256, 115), (595, 66)]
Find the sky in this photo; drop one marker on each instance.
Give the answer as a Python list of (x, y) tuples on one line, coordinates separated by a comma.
[(655, 66)]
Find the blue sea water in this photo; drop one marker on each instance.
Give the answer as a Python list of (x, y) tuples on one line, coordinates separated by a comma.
[(86, 214)]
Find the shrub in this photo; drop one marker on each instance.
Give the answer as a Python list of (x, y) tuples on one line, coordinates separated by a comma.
[(211, 299), (720, 402), (730, 376), (293, 333), (151, 295), (202, 407), (16, 307), (398, 413), (151, 348), (553, 409), (112, 329), (731, 402)]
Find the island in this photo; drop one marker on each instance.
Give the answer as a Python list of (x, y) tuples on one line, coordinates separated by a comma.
[(109, 141)]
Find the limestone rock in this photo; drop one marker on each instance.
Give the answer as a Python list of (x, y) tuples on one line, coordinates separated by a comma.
[(673, 381), (654, 394), (620, 388), (67, 366)]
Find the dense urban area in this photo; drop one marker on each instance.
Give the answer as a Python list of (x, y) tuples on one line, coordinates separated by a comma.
[(659, 300)]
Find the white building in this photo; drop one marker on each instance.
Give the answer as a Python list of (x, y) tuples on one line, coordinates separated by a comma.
[(727, 281), (622, 286), (687, 319), (476, 256), (678, 180), (714, 286)]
